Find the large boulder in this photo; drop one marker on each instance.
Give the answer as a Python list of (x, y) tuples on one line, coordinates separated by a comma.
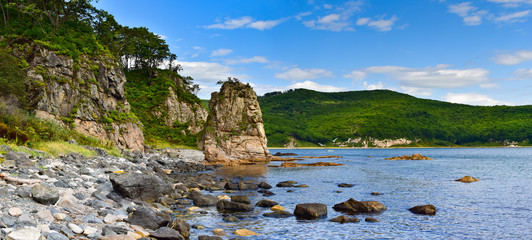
[(310, 210), (229, 206), (44, 194), (353, 206), (20, 159), (234, 130), (181, 226), (467, 179), (424, 209), (140, 186), (266, 203), (147, 218), (240, 198), (205, 200)]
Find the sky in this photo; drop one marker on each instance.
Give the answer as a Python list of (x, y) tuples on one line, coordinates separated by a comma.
[(472, 52)]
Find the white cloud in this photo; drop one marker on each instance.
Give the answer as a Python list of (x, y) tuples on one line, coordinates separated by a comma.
[(383, 25), (376, 86), (468, 12), (363, 21), (356, 75), (431, 77), (256, 59), (523, 73), (489, 85), (301, 15), (205, 72), (513, 59), (197, 48), (316, 86), (513, 17), (246, 22), (327, 6), (221, 52), (471, 99), (511, 3), (414, 91), (337, 21), (297, 74)]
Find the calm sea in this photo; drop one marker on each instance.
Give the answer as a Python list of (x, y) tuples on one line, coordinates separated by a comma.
[(499, 206)]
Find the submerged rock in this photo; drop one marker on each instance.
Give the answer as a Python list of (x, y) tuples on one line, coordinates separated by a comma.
[(278, 214), (424, 209), (416, 156), (266, 203), (286, 184), (229, 206), (345, 219), (353, 206), (467, 179), (310, 210), (147, 218), (317, 164), (166, 233), (244, 233)]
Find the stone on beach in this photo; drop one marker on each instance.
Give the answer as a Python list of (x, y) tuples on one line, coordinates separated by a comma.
[(424, 209), (229, 206), (140, 186), (44, 194), (353, 206)]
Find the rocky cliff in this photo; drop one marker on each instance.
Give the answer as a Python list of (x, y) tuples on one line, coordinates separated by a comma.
[(180, 112), (234, 131), (86, 94)]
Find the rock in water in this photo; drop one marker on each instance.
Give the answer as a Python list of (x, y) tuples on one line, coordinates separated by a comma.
[(310, 210), (147, 218), (166, 233), (345, 219), (424, 209), (228, 206), (234, 129), (353, 206), (44, 194), (139, 186), (467, 179)]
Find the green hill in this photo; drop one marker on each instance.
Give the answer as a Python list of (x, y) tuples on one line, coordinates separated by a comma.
[(315, 118)]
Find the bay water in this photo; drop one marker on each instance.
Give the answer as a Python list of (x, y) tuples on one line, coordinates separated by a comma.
[(499, 206)]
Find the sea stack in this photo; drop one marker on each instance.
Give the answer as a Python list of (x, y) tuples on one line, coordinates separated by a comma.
[(234, 131)]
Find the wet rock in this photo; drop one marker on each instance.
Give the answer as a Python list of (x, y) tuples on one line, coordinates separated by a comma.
[(147, 218), (310, 210), (139, 186), (166, 233), (416, 156), (301, 186), (277, 208), (229, 206), (286, 184), (278, 214), (181, 226), (316, 164), (370, 219), (345, 185), (244, 233), (231, 219), (266, 203), (279, 154), (240, 198), (376, 193), (268, 193), (205, 201), (424, 209), (345, 219), (44, 194), (231, 186), (205, 237), (467, 179), (218, 232), (353, 206), (264, 185)]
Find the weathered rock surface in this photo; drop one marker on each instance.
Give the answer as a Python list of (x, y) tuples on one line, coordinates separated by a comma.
[(179, 111), (234, 129), (286, 184), (345, 219), (45, 194), (229, 206), (278, 214), (89, 93), (467, 179), (424, 209), (147, 218), (416, 156), (353, 206), (166, 233), (139, 186), (266, 203), (310, 210)]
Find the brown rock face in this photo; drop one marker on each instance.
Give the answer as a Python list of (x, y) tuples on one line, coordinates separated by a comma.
[(234, 131), (86, 94), (416, 156)]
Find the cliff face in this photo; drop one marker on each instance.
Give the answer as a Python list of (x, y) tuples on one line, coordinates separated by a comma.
[(86, 94), (192, 114), (234, 130)]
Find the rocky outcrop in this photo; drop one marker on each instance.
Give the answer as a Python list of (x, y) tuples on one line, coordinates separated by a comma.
[(467, 179), (234, 131), (177, 111), (416, 156), (310, 210), (424, 210), (86, 94), (353, 206)]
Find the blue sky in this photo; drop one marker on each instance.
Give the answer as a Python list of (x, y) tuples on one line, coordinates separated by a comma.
[(473, 52)]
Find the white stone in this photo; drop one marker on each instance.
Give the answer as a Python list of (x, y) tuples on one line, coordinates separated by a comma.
[(15, 211), (223, 197), (59, 216), (45, 215), (45, 228), (24, 234), (75, 228), (88, 230)]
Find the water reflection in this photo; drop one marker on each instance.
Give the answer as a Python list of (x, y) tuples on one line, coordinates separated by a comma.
[(251, 171)]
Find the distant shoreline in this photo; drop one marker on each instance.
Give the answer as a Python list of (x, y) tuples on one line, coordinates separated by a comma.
[(283, 148)]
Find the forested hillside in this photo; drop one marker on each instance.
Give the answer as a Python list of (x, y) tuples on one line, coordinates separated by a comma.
[(313, 118)]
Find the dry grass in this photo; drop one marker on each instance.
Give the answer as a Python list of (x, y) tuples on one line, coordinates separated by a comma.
[(63, 148)]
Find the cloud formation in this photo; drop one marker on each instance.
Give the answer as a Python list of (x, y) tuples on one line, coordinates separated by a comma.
[(470, 14), (221, 52), (298, 74), (515, 58), (380, 24), (471, 99), (513, 17), (255, 59), (246, 22), (523, 73), (439, 76), (316, 86), (339, 20)]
